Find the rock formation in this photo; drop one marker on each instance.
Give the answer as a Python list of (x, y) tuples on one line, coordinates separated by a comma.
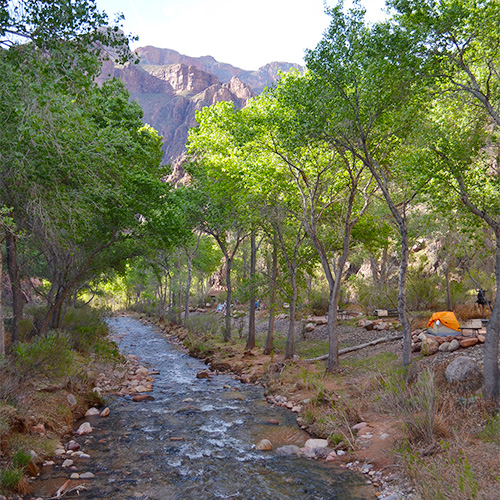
[(171, 87)]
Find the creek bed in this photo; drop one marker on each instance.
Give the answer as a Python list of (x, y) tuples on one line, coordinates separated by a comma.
[(170, 449)]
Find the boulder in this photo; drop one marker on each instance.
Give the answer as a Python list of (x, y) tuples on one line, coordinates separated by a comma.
[(465, 372), (481, 338), (310, 327), (454, 345), (320, 320)]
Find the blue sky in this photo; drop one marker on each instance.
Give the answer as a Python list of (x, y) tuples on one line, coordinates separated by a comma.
[(244, 34)]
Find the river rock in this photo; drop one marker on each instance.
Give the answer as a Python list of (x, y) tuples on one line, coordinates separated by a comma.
[(92, 412), (87, 475), (331, 456), (143, 397), (142, 371), (72, 445), (288, 450), (143, 388), (105, 412), (85, 428), (454, 345), (481, 338), (264, 445), (310, 327), (75, 475), (359, 426), (204, 374), (67, 463), (316, 443)]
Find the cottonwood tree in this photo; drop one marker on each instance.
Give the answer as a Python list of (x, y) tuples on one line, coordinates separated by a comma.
[(458, 42), (214, 148), (366, 100)]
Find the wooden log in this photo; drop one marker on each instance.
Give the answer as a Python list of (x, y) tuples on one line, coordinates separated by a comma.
[(357, 347)]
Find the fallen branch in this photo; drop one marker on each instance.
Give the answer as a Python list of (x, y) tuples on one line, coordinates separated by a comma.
[(357, 347)]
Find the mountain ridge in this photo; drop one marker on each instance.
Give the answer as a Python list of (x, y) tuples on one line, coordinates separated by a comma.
[(171, 87)]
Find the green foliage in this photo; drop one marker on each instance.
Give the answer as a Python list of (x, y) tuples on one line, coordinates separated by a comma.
[(204, 325), (11, 477), (21, 459), (491, 431), (50, 356)]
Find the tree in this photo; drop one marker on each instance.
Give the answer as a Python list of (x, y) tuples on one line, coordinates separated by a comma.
[(367, 101), (458, 44), (215, 154)]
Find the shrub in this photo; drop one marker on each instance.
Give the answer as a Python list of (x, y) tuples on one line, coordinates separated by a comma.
[(203, 325), (11, 477), (84, 326), (50, 356)]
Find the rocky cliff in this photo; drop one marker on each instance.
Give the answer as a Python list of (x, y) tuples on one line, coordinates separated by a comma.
[(171, 86)]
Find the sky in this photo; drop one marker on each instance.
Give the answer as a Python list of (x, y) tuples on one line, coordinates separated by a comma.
[(247, 34)]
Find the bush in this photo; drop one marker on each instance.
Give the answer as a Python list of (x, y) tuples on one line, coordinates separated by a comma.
[(49, 356), (84, 326), (203, 325)]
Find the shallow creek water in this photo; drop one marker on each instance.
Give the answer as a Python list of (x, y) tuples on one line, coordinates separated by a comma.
[(216, 458)]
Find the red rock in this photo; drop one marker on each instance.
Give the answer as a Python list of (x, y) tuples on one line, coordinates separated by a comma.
[(481, 339), (469, 342), (143, 397)]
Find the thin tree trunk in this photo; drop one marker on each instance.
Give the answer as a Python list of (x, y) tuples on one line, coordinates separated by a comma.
[(272, 300), (2, 329), (227, 327), (188, 286), (290, 338), (403, 273), (251, 310), (15, 283), (491, 388)]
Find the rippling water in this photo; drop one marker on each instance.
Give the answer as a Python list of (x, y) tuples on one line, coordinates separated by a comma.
[(212, 455)]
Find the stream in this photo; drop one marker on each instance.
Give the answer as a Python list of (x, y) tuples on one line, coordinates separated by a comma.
[(170, 449)]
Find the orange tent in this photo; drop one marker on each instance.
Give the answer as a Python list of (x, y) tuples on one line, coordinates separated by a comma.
[(445, 318)]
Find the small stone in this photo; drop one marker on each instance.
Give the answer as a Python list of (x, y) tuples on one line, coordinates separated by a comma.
[(454, 345), (359, 426), (67, 463), (296, 409), (84, 455), (105, 412), (288, 450), (72, 445), (340, 453), (75, 475), (481, 339), (310, 327), (142, 371), (39, 429), (71, 400), (384, 436), (87, 475), (264, 445), (331, 456), (85, 428), (188, 400), (59, 451), (48, 463), (92, 412)]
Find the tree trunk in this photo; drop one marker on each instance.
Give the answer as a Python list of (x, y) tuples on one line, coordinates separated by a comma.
[(188, 285), (272, 300), (290, 338), (15, 283), (403, 273), (491, 388), (2, 330), (227, 327), (251, 310)]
